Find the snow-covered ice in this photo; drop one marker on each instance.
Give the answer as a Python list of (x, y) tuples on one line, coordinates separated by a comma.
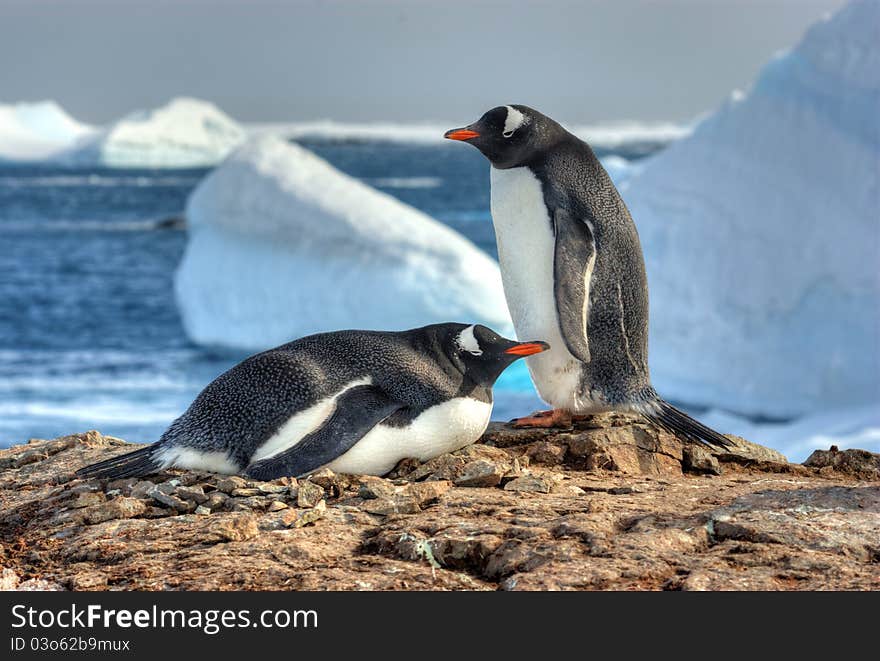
[(762, 235), (619, 168), (281, 245), (184, 133), (37, 131)]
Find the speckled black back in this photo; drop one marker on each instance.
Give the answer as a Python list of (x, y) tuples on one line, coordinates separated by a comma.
[(572, 178), (243, 407)]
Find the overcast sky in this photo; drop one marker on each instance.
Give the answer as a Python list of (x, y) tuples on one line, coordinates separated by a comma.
[(394, 60)]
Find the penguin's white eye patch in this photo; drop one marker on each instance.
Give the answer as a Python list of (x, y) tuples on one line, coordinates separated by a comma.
[(468, 341), (515, 119)]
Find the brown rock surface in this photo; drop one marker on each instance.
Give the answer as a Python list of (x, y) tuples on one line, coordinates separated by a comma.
[(860, 463), (609, 504)]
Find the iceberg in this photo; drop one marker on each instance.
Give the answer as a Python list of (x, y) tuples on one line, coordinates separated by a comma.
[(184, 133), (281, 245), (619, 169), (762, 235), (850, 427), (37, 131)]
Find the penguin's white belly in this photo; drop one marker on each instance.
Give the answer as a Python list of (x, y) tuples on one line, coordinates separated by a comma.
[(195, 459), (526, 247), (442, 428)]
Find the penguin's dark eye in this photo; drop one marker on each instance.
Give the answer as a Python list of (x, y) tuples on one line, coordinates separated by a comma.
[(508, 134)]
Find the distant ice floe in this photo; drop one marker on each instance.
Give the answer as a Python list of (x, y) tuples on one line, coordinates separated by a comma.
[(614, 135), (607, 135), (281, 245), (37, 131), (184, 133), (762, 235), (189, 132)]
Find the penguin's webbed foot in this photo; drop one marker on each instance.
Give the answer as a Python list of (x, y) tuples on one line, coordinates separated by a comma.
[(557, 418)]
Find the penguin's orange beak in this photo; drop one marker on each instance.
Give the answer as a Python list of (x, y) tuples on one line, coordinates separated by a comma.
[(528, 348), (460, 134)]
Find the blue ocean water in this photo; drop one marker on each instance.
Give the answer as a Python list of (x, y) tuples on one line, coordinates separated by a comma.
[(90, 337)]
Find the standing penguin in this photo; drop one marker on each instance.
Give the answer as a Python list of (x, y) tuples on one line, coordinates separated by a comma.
[(354, 401), (573, 272)]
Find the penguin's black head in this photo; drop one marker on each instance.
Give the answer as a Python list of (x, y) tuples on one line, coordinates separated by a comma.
[(481, 354), (510, 136)]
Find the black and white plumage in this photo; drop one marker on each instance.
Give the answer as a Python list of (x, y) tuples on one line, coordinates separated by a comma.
[(354, 401), (572, 269)]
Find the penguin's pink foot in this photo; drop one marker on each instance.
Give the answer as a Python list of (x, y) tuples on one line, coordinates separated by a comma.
[(557, 418)]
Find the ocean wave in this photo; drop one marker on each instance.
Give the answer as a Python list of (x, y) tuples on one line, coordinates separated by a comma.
[(94, 383), (405, 182), (91, 225), (93, 413), (469, 216), (69, 180), (102, 358)]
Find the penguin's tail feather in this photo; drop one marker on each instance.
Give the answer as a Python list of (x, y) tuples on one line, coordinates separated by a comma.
[(679, 423), (134, 464)]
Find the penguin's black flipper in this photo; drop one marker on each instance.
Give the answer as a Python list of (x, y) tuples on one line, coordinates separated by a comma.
[(357, 411), (684, 426), (573, 260)]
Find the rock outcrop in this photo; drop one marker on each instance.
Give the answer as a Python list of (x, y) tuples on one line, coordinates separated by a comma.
[(610, 504)]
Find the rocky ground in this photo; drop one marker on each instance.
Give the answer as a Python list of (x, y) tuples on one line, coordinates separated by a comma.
[(611, 504)]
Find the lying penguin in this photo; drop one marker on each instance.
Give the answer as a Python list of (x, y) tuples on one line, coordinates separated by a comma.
[(353, 401), (573, 272)]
